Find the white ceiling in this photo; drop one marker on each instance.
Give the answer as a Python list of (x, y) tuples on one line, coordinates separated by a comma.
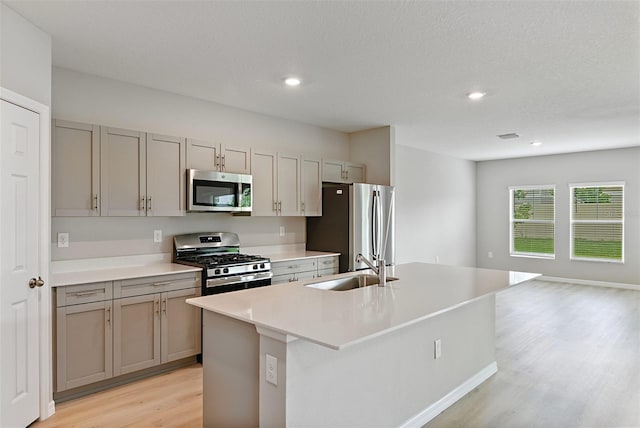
[(562, 72)]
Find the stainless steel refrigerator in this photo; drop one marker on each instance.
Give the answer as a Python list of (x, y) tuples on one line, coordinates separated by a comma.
[(356, 218)]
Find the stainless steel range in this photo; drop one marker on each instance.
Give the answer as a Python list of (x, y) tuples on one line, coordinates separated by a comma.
[(224, 269)]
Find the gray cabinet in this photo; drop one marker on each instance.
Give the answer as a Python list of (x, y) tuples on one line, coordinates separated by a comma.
[(84, 325), (311, 186), (337, 171), (109, 329), (141, 174), (218, 157), (276, 183), (303, 268), (75, 169)]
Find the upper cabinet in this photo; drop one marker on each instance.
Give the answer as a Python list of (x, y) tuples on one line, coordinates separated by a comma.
[(102, 171), (311, 186), (343, 172), (218, 157), (276, 184), (75, 170)]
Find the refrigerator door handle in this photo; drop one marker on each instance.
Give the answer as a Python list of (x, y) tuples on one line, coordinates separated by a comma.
[(375, 225)]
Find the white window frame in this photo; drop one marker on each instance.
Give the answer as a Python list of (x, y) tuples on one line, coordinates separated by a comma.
[(572, 221), (512, 251)]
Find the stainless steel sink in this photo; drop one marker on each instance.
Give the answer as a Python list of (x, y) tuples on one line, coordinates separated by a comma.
[(348, 283)]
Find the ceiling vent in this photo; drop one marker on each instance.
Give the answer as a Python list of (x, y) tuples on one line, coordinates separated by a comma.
[(508, 136)]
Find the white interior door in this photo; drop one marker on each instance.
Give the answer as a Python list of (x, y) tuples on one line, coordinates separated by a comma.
[(19, 249)]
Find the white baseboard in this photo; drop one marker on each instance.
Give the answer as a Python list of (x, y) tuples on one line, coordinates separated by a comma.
[(590, 282), (442, 404)]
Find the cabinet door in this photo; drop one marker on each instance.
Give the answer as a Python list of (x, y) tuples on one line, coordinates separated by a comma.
[(75, 169), (354, 172), (203, 155), (83, 344), (236, 159), (180, 325), (123, 173), (136, 334), (263, 169), (165, 175), (288, 185), (311, 186), (332, 171)]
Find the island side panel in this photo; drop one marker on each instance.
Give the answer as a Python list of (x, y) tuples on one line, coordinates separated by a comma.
[(230, 352), (391, 379)]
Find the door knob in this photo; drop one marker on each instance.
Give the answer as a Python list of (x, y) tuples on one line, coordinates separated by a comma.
[(33, 283)]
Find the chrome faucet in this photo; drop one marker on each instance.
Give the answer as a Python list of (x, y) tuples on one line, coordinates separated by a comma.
[(380, 269)]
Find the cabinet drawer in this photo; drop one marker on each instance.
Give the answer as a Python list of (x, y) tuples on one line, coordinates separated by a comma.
[(83, 293), (293, 266), (327, 272), (328, 263), (155, 284)]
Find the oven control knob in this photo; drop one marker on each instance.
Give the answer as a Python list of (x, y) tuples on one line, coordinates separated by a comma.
[(225, 270), (217, 271), (261, 265), (255, 267)]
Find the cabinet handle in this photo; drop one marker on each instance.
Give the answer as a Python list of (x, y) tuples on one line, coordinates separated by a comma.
[(95, 202), (85, 293), (302, 206), (280, 206), (157, 284), (218, 162), (164, 306), (108, 315), (157, 305), (275, 205), (224, 162), (142, 203), (149, 204)]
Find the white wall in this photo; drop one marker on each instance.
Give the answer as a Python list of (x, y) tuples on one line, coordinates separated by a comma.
[(494, 178), (375, 148), (25, 57), (86, 98), (435, 208)]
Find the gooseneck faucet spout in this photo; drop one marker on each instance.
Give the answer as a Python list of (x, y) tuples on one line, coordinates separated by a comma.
[(379, 269)]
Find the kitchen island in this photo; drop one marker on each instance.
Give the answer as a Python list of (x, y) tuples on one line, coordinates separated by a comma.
[(293, 355)]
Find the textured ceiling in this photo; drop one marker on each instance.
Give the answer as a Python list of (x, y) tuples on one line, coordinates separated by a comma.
[(562, 72)]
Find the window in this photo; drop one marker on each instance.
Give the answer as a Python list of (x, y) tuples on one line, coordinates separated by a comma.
[(597, 222), (532, 219)]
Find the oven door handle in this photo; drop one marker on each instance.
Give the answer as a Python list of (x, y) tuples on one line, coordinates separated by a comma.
[(230, 280)]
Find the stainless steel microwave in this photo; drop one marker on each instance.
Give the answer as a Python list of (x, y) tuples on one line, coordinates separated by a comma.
[(218, 191)]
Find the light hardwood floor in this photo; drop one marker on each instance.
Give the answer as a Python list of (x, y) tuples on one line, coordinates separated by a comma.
[(568, 356)]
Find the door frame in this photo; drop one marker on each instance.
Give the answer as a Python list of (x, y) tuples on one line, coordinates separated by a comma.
[(47, 405)]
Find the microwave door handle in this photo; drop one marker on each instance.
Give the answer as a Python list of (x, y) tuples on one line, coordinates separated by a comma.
[(374, 224)]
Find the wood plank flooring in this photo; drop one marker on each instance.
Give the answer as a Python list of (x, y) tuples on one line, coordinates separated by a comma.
[(568, 356), (172, 399)]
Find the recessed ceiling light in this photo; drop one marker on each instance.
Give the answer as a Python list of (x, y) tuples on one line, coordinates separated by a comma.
[(536, 143), (292, 81), (508, 136), (476, 95)]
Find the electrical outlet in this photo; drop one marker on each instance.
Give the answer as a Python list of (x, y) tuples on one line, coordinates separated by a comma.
[(437, 349), (272, 369), (157, 236), (281, 230), (63, 240)]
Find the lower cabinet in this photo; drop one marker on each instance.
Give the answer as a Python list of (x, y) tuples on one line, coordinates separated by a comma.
[(102, 339), (304, 268)]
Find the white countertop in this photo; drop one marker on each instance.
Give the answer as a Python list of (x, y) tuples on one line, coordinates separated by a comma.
[(337, 319), (113, 274), (297, 254)]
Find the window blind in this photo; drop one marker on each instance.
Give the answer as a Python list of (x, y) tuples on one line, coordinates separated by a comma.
[(532, 215), (597, 222)]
